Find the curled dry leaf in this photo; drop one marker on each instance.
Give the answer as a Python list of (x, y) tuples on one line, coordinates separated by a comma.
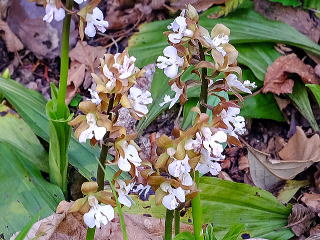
[(300, 219), (12, 41), (200, 5), (277, 79), (312, 200), (76, 77), (297, 155)]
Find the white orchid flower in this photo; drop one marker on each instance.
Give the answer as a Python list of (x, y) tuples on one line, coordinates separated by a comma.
[(181, 170), (131, 155), (180, 30), (93, 130), (249, 84), (123, 192), (212, 143), (139, 101), (233, 82), (170, 62), (98, 214), (110, 85), (80, 1), (127, 68), (95, 20), (167, 99), (235, 124), (217, 42), (208, 164), (52, 12), (94, 97), (195, 144), (170, 201)]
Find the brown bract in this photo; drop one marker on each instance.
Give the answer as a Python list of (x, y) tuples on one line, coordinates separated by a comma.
[(278, 80)]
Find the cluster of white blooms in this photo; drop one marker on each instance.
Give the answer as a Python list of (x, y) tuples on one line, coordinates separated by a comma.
[(123, 192), (170, 62), (167, 99), (98, 214), (93, 130), (217, 42), (210, 146), (235, 123), (139, 100), (234, 83), (174, 197), (95, 20), (131, 156), (179, 29)]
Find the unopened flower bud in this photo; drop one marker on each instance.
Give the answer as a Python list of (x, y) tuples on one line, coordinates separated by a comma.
[(89, 187)]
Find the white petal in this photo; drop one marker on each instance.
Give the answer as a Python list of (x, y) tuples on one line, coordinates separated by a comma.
[(89, 219), (97, 13), (215, 168), (86, 134), (124, 164), (59, 14), (123, 199), (170, 51), (107, 211), (180, 194), (220, 137), (187, 180), (175, 37), (202, 168), (49, 13), (90, 30), (170, 202), (173, 168), (99, 133), (79, 1)]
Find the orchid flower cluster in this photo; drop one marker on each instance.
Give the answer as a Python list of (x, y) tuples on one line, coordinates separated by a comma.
[(113, 89), (90, 14), (170, 174)]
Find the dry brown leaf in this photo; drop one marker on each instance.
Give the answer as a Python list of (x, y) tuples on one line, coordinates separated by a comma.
[(277, 77), (87, 55), (297, 155), (243, 163), (75, 79), (312, 201), (200, 5), (12, 41), (299, 147), (300, 219)]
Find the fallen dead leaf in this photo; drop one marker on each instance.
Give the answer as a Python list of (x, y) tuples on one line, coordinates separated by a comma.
[(243, 163), (12, 41), (312, 200), (300, 219), (297, 155), (200, 5), (299, 147), (75, 79), (315, 232), (277, 79)]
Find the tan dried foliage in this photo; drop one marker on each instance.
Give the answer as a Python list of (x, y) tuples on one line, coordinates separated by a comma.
[(312, 200), (300, 219), (12, 41), (277, 79), (200, 5)]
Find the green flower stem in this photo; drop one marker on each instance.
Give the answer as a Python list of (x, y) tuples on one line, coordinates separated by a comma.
[(195, 203), (104, 150), (176, 222), (90, 233), (64, 64), (168, 225)]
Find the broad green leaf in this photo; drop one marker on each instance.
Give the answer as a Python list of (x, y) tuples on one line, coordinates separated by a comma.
[(261, 106), (300, 98), (31, 107), (257, 56), (188, 115), (234, 232), (315, 89), (247, 26), (226, 203), (24, 231), (17, 133), (23, 191), (290, 189), (291, 3)]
